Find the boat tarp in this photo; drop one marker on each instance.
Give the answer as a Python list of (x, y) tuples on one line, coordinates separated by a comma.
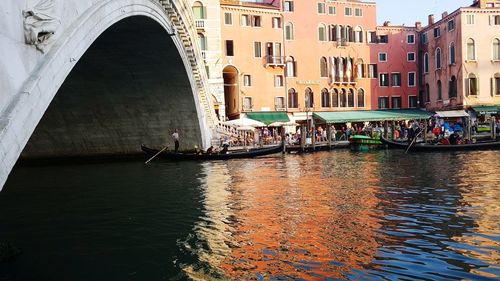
[(269, 117), (484, 109), (371, 115), (452, 113)]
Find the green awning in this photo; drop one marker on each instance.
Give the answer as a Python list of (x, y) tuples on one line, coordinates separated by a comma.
[(483, 110), (269, 117), (371, 115)]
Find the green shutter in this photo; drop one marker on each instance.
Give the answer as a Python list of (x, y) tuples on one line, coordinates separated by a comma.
[(467, 89), (492, 86)]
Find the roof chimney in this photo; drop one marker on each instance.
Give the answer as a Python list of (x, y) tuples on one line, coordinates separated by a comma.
[(444, 15), (431, 19)]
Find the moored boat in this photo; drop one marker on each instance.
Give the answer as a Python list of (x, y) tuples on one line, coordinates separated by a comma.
[(485, 145), (364, 143), (254, 152)]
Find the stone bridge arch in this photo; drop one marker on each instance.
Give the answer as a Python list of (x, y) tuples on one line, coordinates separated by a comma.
[(28, 104)]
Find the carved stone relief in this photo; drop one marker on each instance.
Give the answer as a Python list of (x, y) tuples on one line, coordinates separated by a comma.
[(40, 23)]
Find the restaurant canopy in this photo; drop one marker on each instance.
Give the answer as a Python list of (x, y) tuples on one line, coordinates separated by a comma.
[(371, 115), (452, 113), (269, 117), (483, 110)]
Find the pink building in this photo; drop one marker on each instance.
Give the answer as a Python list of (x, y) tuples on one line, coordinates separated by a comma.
[(395, 50)]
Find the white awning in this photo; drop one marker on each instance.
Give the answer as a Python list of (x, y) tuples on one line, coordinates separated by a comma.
[(452, 113)]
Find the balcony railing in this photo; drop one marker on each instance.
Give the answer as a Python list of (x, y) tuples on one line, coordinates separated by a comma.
[(275, 61), (200, 24)]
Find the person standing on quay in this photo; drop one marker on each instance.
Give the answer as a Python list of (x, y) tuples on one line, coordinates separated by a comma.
[(175, 137)]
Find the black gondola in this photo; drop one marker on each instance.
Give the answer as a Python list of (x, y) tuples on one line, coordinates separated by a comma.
[(254, 152), (442, 147)]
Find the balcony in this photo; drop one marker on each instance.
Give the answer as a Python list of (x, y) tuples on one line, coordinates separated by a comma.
[(274, 61), (342, 43), (199, 23)]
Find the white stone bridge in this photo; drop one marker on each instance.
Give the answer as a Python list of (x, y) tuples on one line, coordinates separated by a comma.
[(98, 77)]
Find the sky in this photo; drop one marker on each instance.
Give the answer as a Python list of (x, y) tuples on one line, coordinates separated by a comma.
[(407, 12)]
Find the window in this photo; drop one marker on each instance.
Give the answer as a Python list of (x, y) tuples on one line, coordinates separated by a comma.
[(245, 20), (427, 93), (276, 22), (228, 18), (438, 58), (383, 102), (495, 20), (372, 37), (343, 98), (278, 80), (451, 25), (289, 31), (257, 48), (426, 63), (325, 98), (229, 48), (452, 53), (256, 21), (335, 98), (396, 102), (348, 11), (472, 85), (199, 11), (247, 80), (279, 103), (495, 85), (372, 71), (322, 33), (452, 88), (496, 49), (288, 6), (471, 49), (396, 79), (358, 34), (423, 38), (290, 67), (203, 42), (412, 101), (384, 80), (383, 39), (309, 98), (439, 90), (332, 10), (410, 39), (361, 98), (293, 98), (321, 8), (470, 19), (437, 32), (382, 57), (412, 79), (410, 56), (350, 98), (323, 67), (247, 103), (360, 68), (358, 12)]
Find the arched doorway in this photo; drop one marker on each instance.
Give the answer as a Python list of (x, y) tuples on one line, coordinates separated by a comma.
[(231, 91)]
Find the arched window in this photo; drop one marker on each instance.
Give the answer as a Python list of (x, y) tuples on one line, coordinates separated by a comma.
[(426, 63), (358, 34), (343, 98), (349, 34), (427, 93), (321, 32), (439, 90), (438, 58), (325, 98), (496, 49), (452, 88), (290, 67), (323, 67), (360, 69), (361, 98), (350, 98), (289, 31), (335, 98), (471, 49), (199, 11), (309, 98), (293, 98), (452, 53), (472, 85), (332, 32), (495, 81), (203, 41)]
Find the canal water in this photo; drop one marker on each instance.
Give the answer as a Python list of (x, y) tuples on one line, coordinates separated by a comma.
[(340, 215)]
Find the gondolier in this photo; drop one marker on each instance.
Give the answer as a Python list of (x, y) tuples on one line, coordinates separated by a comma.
[(175, 137)]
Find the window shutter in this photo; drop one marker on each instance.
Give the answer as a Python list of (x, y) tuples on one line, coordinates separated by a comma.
[(492, 85), (491, 20), (477, 86), (467, 87)]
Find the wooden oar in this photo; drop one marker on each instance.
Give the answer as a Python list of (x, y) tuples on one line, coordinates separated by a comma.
[(413, 141), (155, 155)]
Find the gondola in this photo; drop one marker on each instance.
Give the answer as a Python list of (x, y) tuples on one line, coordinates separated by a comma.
[(442, 147), (254, 152)]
